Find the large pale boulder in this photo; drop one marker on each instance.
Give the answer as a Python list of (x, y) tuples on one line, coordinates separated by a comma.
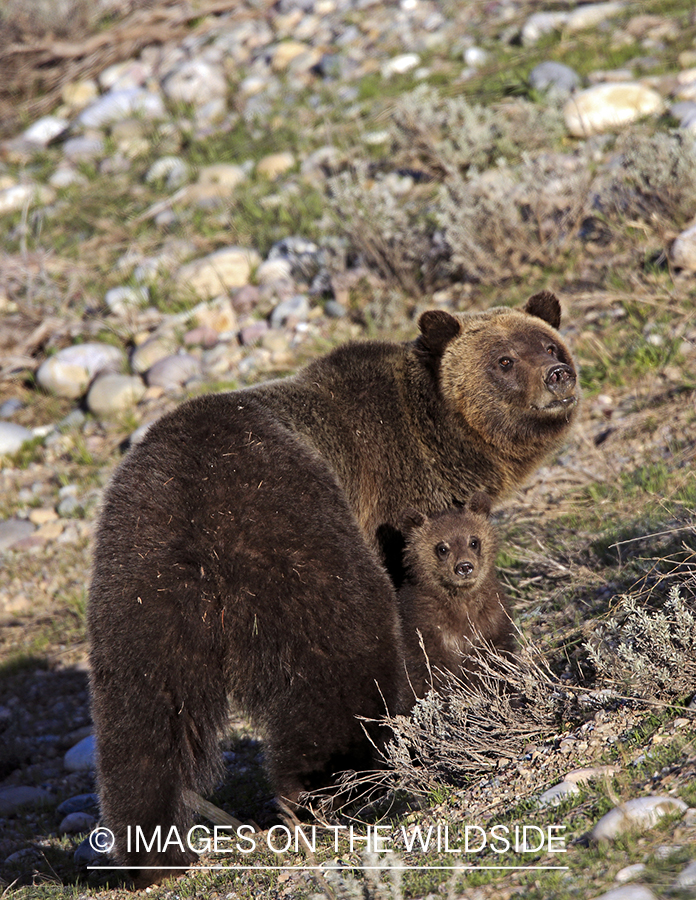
[(607, 107), (218, 272)]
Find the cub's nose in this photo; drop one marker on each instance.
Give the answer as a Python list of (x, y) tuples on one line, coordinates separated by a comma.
[(464, 569), (560, 380)]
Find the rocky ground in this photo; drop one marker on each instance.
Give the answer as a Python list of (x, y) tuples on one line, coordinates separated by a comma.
[(201, 196)]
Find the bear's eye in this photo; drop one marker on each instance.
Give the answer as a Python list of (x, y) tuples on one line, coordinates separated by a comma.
[(442, 550), (474, 543), (505, 363), (551, 349)]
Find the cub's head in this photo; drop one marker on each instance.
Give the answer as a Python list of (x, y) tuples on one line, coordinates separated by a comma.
[(453, 550), (508, 372)]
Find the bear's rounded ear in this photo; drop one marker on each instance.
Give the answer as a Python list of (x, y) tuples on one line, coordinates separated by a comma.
[(410, 519), (437, 328), (545, 305), (480, 503)]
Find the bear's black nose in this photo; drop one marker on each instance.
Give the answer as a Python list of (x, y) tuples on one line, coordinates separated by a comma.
[(560, 378), (464, 569)]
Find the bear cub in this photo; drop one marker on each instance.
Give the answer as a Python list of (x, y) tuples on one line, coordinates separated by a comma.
[(451, 594)]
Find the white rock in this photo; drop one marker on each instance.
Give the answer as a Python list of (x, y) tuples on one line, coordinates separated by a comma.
[(399, 65), (578, 776), (123, 75), (173, 168), (83, 147), (475, 56), (275, 164), (45, 130), (77, 823), (18, 196), (224, 176), (219, 272), (683, 250), (149, 353), (555, 795), (541, 23), (628, 892), (609, 106), (114, 394), (118, 105), (687, 878), (70, 371), (64, 176), (173, 371), (628, 873), (591, 14), (212, 111), (81, 757), (195, 81), (273, 269), (78, 94), (640, 814), (587, 16), (124, 298), (295, 307), (218, 315), (12, 436)]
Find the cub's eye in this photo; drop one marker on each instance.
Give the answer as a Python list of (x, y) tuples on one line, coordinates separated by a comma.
[(474, 543), (505, 363), (442, 550)]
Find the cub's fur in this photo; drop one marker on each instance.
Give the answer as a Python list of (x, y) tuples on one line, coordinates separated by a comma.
[(451, 595), (241, 546)]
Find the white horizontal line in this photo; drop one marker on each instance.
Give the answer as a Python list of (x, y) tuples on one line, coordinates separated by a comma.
[(193, 869)]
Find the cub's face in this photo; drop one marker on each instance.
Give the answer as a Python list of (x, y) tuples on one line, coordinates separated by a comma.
[(453, 550), (508, 372)]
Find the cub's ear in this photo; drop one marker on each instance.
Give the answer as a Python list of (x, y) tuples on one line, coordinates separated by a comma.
[(545, 305), (437, 328), (480, 503), (411, 519)]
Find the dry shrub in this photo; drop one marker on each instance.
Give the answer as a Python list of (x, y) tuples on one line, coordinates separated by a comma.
[(513, 216), (374, 886), (462, 730), (390, 231), (35, 19), (650, 653), (652, 178), (446, 136)]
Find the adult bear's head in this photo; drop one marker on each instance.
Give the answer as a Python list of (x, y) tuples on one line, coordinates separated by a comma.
[(508, 372)]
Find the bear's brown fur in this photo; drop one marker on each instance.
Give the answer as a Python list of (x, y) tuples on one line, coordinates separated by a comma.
[(451, 599), (238, 551)]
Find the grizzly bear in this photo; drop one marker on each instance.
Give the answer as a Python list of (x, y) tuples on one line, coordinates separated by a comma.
[(451, 600), (241, 549)]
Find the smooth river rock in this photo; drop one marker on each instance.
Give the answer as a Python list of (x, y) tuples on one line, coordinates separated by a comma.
[(607, 107), (114, 394), (69, 372), (218, 272)]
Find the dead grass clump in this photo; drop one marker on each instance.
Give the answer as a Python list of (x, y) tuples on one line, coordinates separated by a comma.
[(447, 136), (653, 179), (463, 729), (374, 886), (513, 216), (389, 229), (25, 19), (649, 653)]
